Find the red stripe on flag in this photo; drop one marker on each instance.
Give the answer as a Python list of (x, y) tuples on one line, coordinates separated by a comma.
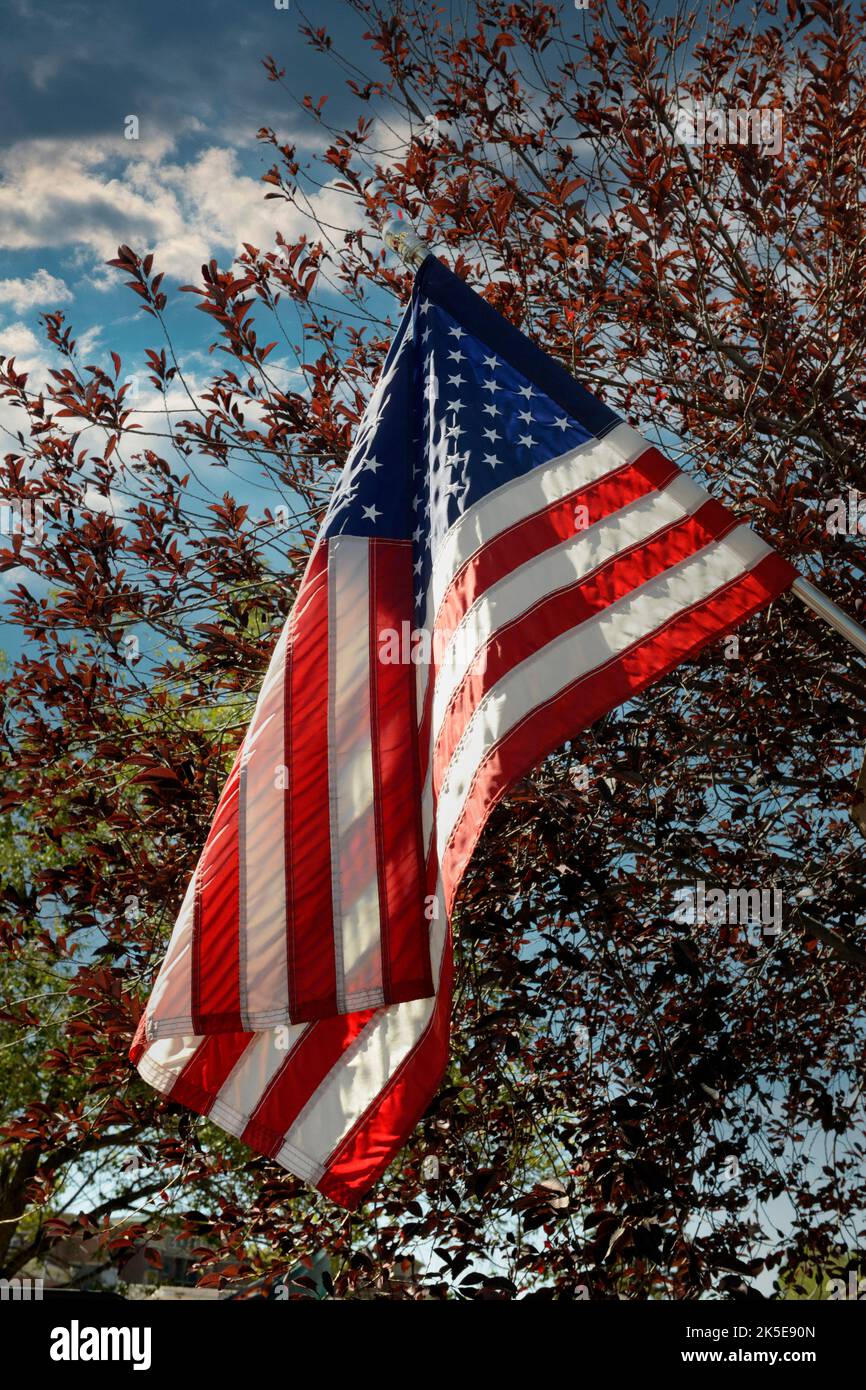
[(397, 779), (569, 607), (534, 534), (215, 952), (139, 1044), (305, 1067), (601, 690), (208, 1068), (310, 944), (383, 1129), (531, 535)]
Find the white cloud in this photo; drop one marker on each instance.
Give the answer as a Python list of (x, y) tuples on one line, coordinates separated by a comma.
[(20, 342), (32, 356), (41, 288), (10, 579), (87, 342), (114, 504), (91, 197)]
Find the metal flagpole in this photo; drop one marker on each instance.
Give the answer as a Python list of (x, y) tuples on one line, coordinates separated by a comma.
[(399, 236), (832, 614)]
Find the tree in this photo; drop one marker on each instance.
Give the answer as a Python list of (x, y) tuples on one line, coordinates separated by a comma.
[(640, 1104)]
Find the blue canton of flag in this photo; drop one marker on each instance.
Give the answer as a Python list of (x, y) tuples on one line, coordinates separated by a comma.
[(479, 422)]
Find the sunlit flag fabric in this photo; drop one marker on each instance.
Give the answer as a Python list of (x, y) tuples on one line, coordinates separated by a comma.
[(502, 562)]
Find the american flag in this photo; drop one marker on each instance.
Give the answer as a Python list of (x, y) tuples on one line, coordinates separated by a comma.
[(502, 562)]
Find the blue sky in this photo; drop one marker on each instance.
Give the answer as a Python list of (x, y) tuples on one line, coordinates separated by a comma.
[(73, 186)]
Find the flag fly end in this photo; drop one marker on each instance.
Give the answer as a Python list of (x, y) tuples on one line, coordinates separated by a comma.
[(400, 236)]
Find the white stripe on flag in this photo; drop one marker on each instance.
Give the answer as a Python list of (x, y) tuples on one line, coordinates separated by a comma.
[(587, 647), (171, 995), (250, 1077), (362, 1072), (556, 568), (522, 497), (354, 1082), (165, 1059), (354, 873), (517, 500), (264, 996)]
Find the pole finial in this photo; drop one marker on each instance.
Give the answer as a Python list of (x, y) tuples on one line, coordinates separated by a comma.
[(400, 236)]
